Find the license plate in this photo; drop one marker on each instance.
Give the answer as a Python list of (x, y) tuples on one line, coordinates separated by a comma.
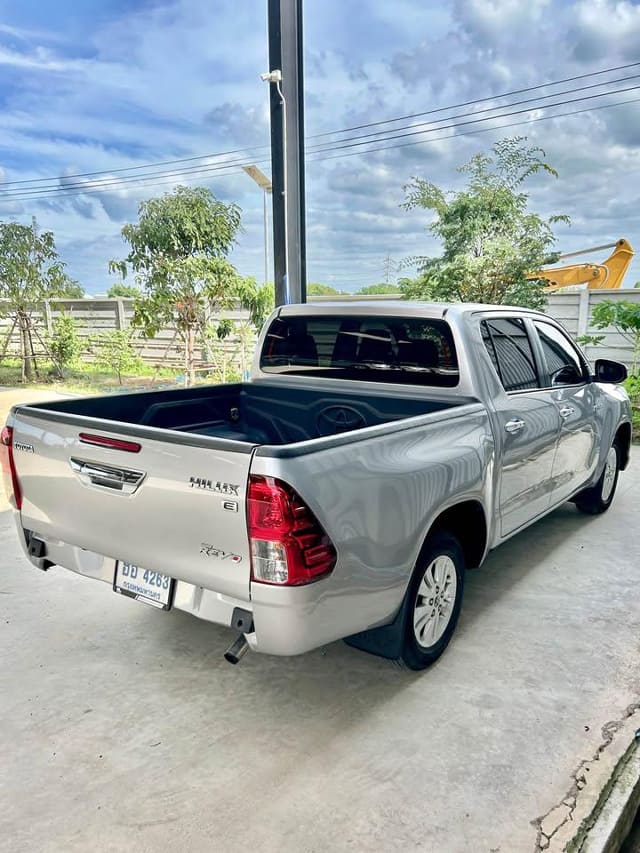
[(143, 584)]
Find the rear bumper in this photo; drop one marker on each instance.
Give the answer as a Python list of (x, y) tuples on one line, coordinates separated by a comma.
[(287, 621)]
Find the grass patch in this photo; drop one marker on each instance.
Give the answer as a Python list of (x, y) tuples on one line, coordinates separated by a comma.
[(89, 379)]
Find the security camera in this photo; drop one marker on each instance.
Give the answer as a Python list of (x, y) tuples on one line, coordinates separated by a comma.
[(271, 76)]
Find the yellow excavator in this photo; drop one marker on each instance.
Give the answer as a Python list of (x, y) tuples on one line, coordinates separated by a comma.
[(607, 275)]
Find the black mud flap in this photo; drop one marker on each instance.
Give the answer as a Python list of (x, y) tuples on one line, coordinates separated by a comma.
[(386, 641), (37, 550)]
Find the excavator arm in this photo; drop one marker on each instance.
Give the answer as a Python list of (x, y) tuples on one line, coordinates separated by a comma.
[(607, 275)]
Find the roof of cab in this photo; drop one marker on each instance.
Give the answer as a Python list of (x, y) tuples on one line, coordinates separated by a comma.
[(389, 307)]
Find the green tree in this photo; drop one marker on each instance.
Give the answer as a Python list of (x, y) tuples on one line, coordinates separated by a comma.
[(418, 286), (178, 254), (122, 290), (490, 240), (383, 287), (30, 271), (259, 300), (315, 289)]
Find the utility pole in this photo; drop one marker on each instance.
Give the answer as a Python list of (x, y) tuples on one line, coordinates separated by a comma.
[(287, 149)]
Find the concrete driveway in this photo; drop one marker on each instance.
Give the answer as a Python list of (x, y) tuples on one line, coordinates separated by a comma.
[(124, 730)]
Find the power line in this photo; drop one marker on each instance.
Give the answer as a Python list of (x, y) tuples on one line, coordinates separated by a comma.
[(476, 121), (40, 183), (164, 180), (478, 130), (108, 182), (232, 170), (478, 100), (385, 133), (112, 182), (142, 166)]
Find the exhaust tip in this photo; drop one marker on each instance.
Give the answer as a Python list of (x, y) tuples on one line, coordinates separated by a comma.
[(237, 650)]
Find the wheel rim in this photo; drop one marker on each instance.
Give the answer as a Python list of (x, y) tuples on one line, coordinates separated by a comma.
[(435, 601), (609, 476)]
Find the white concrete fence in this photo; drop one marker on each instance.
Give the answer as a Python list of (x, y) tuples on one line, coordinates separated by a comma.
[(94, 316)]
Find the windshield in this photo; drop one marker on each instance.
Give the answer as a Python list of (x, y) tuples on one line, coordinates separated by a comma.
[(408, 350)]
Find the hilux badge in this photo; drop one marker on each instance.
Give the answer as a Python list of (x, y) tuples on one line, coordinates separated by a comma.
[(213, 486)]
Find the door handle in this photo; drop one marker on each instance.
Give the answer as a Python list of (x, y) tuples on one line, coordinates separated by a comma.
[(566, 411), (107, 477), (514, 425)]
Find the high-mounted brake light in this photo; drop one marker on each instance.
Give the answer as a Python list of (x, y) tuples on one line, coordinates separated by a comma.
[(113, 443), (288, 545), (7, 464)]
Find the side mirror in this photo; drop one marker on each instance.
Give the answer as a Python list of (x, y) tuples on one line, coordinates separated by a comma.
[(610, 371)]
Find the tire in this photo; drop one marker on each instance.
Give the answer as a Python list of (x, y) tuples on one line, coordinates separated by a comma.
[(598, 498), (428, 628)]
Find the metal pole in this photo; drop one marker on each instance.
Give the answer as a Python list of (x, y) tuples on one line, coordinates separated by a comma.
[(266, 242), (277, 158), (287, 151)]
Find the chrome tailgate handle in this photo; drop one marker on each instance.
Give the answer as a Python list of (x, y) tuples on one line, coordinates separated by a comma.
[(101, 476), (514, 425)]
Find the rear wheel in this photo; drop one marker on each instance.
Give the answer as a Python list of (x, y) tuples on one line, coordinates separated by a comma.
[(433, 601), (598, 498)]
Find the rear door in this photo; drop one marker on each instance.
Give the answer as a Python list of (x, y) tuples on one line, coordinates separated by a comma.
[(528, 423), (567, 376), (166, 501)]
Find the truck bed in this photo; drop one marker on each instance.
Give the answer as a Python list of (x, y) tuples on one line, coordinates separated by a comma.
[(250, 412)]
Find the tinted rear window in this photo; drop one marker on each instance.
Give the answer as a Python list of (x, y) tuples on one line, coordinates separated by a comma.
[(408, 350)]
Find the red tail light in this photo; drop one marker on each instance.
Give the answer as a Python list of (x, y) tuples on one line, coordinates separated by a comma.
[(288, 545), (7, 464)]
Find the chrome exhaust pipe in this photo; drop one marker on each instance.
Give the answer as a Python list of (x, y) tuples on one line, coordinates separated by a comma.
[(237, 650)]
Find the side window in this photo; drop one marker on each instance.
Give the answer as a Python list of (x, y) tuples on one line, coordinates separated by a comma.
[(564, 365), (510, 351)]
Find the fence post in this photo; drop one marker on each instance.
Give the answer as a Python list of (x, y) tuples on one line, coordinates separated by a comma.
[(120, 321), (46, 316), (583, 312)]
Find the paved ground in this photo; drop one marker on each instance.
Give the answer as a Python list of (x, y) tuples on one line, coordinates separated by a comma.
[(124, 730)]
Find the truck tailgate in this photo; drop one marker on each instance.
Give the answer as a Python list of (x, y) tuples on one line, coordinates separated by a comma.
[(176, 505)]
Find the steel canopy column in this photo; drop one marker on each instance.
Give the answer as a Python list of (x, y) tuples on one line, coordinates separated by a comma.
[(287, 151)]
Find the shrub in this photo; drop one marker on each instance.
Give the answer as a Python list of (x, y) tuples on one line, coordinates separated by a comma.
[(632, 384), (64, 342)]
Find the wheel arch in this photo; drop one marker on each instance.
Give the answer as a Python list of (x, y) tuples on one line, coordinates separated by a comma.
[(467, 522)]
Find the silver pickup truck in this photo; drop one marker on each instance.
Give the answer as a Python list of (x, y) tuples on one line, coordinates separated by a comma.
[(376, 453)]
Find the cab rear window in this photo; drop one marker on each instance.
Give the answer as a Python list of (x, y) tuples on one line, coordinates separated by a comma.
[(415, 351)]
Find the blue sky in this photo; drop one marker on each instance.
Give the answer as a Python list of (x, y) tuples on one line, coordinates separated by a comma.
[(106, 84)]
